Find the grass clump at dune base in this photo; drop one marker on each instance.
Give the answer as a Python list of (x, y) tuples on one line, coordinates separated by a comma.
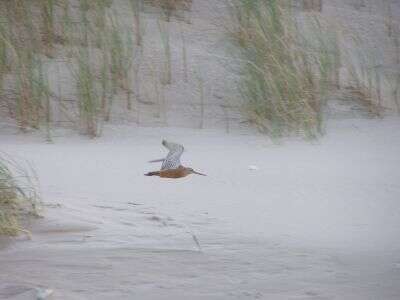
[(287, 66), (18, 197)]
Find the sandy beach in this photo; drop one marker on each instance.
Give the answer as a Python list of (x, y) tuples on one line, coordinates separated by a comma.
[(312, 220)]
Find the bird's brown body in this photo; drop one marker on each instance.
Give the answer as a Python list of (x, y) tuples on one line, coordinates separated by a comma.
[(171, 173), (171, 166)]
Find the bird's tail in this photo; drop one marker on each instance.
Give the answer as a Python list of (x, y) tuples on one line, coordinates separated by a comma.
[(155, 173)]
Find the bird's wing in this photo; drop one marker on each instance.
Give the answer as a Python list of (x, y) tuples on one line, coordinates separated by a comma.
[(172, 161)]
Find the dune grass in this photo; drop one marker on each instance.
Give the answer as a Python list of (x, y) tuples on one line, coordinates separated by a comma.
[(32, 38), (170, 6), (18, 196), (88, 97), (48, 25), (289, 62), (286, 66), (136, 8), (165, 39)]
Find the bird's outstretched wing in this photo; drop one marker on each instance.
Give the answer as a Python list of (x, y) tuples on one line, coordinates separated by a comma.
[(172, 161)]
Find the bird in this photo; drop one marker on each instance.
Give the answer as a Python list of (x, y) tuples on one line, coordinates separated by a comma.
[(171, 164)]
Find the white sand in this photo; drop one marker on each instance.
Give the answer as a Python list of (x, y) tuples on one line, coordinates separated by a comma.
[(313, 221)]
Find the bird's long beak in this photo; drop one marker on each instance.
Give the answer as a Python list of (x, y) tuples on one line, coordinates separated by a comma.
[(199, 173), (156, 160)]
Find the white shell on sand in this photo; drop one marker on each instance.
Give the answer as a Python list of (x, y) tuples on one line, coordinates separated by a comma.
[(42, 294)]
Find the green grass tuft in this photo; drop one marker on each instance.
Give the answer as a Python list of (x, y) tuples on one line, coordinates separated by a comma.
[(18, 196), (285, 69)]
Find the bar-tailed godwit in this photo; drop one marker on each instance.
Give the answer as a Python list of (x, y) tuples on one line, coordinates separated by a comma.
[(171, 166)]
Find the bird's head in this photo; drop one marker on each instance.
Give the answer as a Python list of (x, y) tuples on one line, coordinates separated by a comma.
[(191, 171)]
